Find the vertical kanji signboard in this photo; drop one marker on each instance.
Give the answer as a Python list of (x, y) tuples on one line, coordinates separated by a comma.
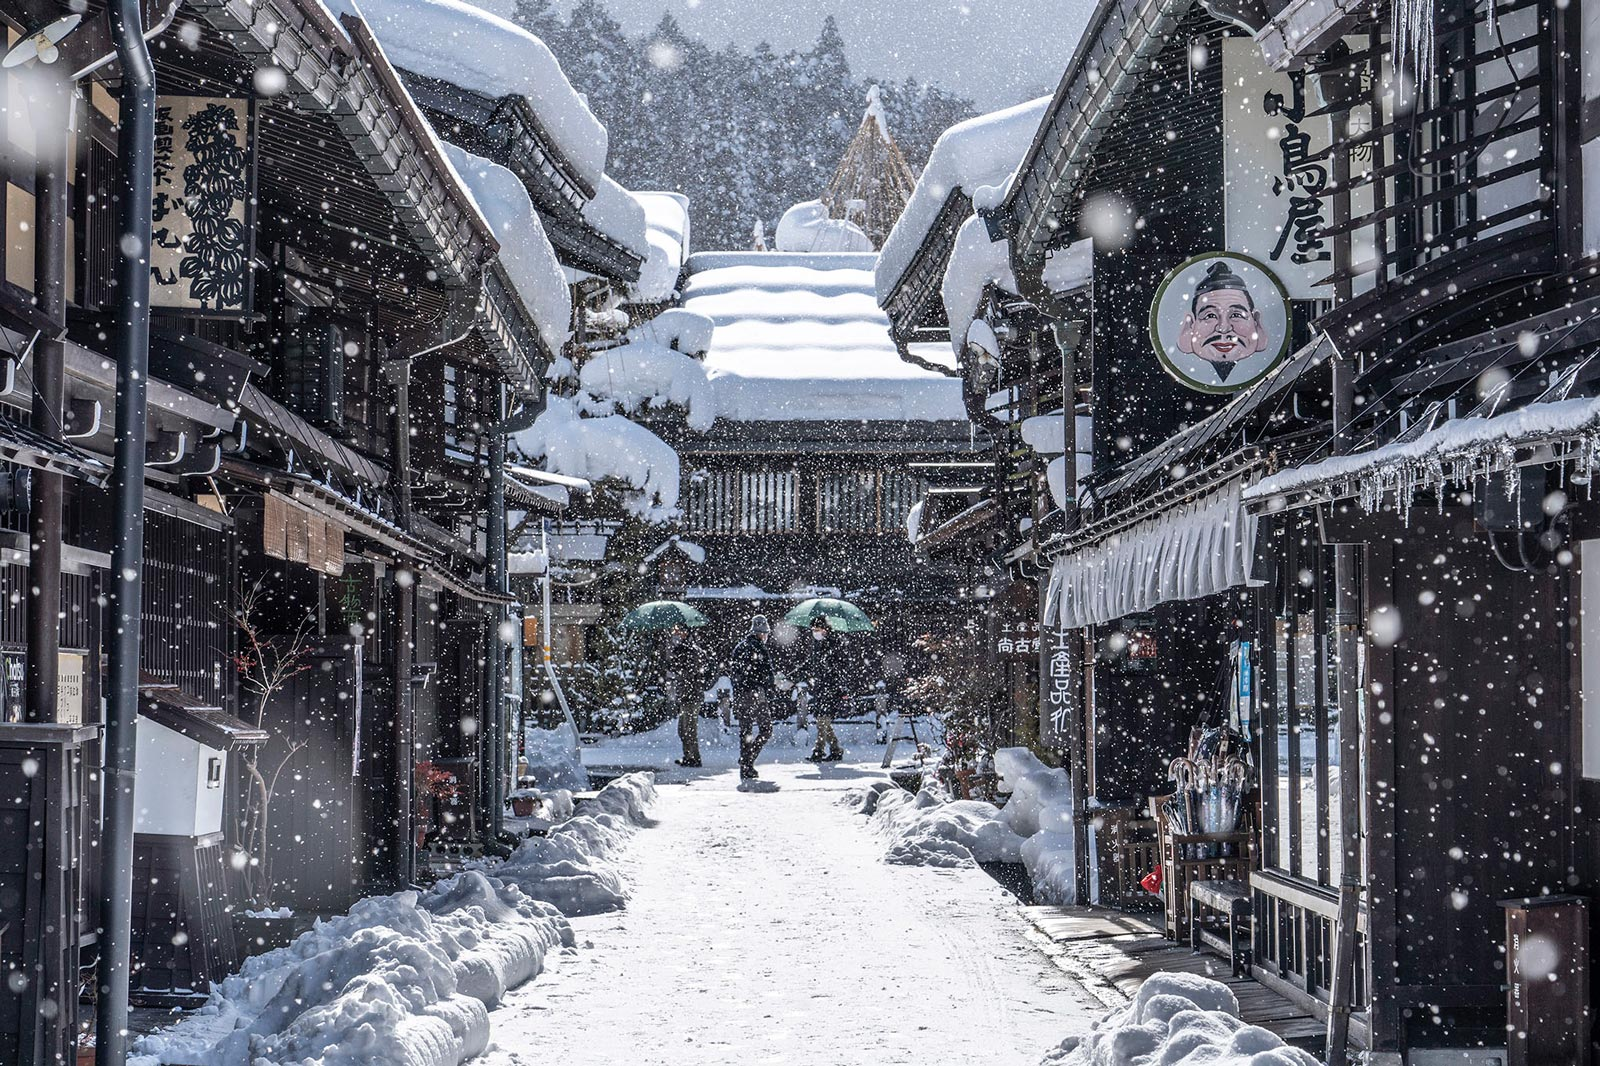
[(200, 244)]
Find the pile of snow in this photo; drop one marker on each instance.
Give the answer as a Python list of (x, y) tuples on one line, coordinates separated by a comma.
[(525, 251), (643, 375), (1040, 810), (1177, 1018), (977, 262), (799, 337), (466, 46), (806, 227), (408, 979), (678, 329), (927, 830), (554, 759), (606, 447), (614, 212), (980, 151), (666, 216)]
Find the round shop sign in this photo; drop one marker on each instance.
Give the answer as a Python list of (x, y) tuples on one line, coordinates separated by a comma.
[(1220, 322)]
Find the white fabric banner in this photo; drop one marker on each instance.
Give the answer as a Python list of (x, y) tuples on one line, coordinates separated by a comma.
[(1200, 548)]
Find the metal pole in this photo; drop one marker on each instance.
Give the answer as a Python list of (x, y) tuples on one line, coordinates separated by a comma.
[(495, 574), (49, 385), (1347, 632), (135, 155), (544, 639)]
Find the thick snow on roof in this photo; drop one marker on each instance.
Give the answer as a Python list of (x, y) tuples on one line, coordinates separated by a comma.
[(806, 227), (980, 151), (666, 217), (799, 337), (615, 213), (644, 375), (525, 251), (976, 261), (610, 447), (474, 49)]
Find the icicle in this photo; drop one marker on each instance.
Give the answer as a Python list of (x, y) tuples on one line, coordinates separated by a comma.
[(1411, 36)]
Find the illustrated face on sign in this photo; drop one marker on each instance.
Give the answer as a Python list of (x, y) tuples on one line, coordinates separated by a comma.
[(1223, 325)]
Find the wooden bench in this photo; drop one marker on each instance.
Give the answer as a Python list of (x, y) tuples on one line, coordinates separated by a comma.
[(1231, 901)]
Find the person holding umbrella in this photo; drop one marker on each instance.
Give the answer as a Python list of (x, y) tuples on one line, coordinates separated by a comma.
[(684, 662), (828, 673), (754, 683)]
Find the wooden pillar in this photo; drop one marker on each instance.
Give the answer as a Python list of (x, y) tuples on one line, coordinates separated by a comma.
[(1382, 868)]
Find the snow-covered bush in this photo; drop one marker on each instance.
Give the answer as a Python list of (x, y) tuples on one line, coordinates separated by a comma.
[(606, 448), (408, 979), (646, 376), (927, 830), (683, 331), (1176, 1019)]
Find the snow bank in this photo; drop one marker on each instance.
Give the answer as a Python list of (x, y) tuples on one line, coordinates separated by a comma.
[(1177, 1019), (614, 212), (666, 216), (806, 227), (1040, 811), (925, 830), (800, 337), (554, 762), (408, 979), (643, 375), (680, 330), (980, 151), (607, 447), (474, 49), (525, 251)]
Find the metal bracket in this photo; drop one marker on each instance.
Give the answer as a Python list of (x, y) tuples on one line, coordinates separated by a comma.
[(170, 447), (84, 416)]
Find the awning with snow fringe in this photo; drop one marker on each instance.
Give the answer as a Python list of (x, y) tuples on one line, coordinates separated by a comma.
[(1194, 549)]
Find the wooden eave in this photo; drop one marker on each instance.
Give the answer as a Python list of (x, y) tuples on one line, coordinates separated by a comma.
[(915, 302), (1117, 50), (342, 72)]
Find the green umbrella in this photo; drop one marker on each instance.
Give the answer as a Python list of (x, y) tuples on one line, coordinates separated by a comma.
[(841, 615), (663, 614)]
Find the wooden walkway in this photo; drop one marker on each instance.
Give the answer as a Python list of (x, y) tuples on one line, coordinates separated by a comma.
[(1111, 953)]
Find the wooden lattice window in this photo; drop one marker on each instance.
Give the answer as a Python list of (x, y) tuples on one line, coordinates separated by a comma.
[(744, 501)]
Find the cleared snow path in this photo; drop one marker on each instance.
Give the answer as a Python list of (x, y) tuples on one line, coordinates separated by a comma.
[(766, 928)]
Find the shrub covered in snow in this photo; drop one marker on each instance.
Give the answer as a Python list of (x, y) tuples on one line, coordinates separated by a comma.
[(926, 830), (408, 979), (644, 375), (1177, 1019), (609, 447)]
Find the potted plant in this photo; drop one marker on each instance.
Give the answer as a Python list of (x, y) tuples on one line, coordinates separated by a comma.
[(524, 798)]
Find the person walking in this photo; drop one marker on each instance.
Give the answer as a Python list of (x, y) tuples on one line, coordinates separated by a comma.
[(684, 661), (754, 684), (829, 679)]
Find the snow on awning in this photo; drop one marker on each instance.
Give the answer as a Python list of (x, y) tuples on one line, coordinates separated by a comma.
[(1195, 549), (1459, 450)]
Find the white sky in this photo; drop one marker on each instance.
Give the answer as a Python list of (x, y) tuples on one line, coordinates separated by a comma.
[(998, 52)]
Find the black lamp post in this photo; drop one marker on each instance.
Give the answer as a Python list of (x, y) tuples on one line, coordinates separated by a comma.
[(135, 158)]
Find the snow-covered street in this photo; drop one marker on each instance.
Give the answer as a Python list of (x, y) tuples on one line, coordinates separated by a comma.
[(766, 928)]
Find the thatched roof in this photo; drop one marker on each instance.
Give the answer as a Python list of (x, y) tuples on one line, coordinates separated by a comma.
[(873, 181)]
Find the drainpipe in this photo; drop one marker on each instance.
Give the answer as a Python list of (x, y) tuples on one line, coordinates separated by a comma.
[(49, 386), (135, 155), (402, 842), (1347, 630), (496, 580)]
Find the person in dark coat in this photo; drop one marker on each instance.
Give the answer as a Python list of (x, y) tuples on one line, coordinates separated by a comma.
[(754, 684), (684, 663), (828, 678)]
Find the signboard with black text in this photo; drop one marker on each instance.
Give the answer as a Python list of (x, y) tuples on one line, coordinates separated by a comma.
[(201, 240)]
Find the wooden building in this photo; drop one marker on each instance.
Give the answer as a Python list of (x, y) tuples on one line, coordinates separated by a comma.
[(1361, 544)]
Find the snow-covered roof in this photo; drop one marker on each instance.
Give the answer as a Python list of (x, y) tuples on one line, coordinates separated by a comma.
[(806, 227), (525, 251), (666, 217), (615, 213), (610, 447), (976, 261), (799, 337), (466, 46), (980, 151)]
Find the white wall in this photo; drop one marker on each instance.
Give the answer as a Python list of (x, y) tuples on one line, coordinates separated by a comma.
[(170, 794)]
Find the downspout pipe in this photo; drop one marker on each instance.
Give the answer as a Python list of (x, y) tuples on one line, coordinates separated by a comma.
[(136, 156)]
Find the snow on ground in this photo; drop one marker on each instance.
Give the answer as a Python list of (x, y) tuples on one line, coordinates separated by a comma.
[(1177, 1018), (719, 747), (409, 979), (767, 929), (554, 762), (799, 336), (926, 830)]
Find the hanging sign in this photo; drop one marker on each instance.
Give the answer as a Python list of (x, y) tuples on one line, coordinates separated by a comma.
[(200, 244), (1276, 170), (1058, 688), (1220, 322)]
